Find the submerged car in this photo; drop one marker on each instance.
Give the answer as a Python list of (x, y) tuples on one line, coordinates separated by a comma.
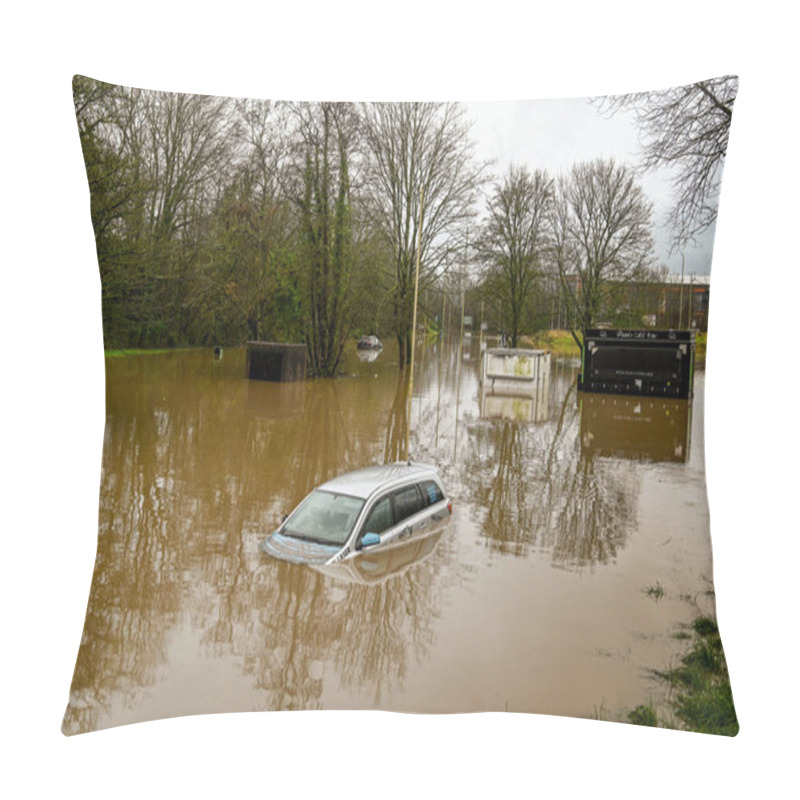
[(369, 343), (358, 511), (380, 564)]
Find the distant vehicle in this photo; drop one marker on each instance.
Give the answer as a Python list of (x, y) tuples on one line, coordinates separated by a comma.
[(361, 511), (369, 343)]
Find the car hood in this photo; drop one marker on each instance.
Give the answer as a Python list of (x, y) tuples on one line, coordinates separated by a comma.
[(298, 551)]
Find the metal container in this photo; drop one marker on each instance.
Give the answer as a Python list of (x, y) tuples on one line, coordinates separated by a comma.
[(639, 362)]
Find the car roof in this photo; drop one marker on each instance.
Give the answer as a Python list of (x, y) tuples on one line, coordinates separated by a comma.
[(363, 482)]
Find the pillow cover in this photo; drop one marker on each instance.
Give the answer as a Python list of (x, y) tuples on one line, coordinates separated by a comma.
[(300, 292)]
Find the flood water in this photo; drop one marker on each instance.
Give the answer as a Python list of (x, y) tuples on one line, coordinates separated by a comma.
[(567, 509)]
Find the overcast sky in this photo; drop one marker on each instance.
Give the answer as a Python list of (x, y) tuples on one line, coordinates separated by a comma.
[(555, 134)]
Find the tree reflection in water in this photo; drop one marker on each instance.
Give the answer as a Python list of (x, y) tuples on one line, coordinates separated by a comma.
[(289, 622), (541, 493), (366, 634), (199, 465)]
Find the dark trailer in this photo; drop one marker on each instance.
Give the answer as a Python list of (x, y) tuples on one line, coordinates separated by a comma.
[(646, 362), (271, 361)]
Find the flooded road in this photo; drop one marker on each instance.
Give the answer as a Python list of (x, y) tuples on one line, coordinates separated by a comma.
[(579, 530)]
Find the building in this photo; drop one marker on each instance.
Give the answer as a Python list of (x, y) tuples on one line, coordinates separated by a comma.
[(674, 302)]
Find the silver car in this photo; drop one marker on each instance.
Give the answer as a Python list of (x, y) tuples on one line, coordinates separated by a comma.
[(380, 564), (356, 512)]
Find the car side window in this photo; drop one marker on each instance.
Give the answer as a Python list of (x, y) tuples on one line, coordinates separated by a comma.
[(431, 492), (407, 502), (379, 518)]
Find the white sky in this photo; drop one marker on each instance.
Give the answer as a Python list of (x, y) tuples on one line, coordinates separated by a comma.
[(555, 134)]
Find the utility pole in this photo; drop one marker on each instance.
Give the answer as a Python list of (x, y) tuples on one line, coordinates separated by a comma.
[(458, 368), (414, 322)]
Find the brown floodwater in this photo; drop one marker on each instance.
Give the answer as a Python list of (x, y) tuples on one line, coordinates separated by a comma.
[(579, 536)]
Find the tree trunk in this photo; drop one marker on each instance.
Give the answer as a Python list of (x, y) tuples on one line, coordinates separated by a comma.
[(401, 351)]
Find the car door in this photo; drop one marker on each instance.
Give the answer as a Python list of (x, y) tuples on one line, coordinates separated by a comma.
[(434, 500), (404, 512), (379, 519), (410, 516), (391, 516)]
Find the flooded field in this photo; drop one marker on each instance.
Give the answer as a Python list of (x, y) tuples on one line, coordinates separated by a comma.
[(579, 530)]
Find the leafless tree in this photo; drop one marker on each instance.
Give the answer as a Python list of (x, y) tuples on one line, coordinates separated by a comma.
[(686, 128), (247, 234), (187, 148), (155, 161), (515, 239), (414, 149), (601, 226)]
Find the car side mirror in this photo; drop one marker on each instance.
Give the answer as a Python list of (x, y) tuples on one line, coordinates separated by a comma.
[(370, 540)]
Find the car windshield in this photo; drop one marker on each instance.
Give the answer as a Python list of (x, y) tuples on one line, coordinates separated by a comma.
[(325, 517)]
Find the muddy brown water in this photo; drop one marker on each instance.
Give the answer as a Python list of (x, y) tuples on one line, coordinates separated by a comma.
[(534, 599)]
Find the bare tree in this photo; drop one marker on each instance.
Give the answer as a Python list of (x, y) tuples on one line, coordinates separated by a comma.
[(108, 167), (242, 280), (154, 163), (515, 239), (116, 190), (419, 148), (188, 145), (601, 226), (685, 127)]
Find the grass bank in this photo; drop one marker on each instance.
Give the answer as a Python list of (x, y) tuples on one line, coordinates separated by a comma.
[(699, 689), (141, 352), (559, 343), (700, 340)]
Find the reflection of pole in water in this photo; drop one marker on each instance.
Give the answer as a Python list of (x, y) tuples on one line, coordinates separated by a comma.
[(439, 391), (397, 428), (422, 372), (444, 297)]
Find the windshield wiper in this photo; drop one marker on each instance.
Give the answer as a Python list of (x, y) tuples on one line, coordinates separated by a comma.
[(306, 538)]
